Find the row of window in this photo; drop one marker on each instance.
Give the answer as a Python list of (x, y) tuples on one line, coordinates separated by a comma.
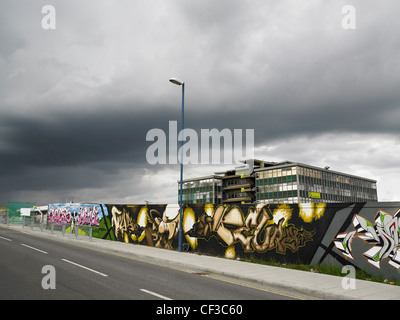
[(315, 196), (267, 181), (201, 183), (236, 182), (292, 171), (204, 196), (279, 194), (356, 184), (309, 173), (199, 189), (198, 201), (233, 195), (348, 183)]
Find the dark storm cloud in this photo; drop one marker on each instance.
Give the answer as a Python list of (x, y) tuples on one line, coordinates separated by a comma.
[(76, 139), (72, 152), (76, 102), (295, 68)]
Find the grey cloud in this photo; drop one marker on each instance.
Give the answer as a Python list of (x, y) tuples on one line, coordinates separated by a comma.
[(78, 102), (79, 138)]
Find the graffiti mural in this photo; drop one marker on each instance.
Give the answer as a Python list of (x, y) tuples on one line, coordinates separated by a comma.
[(303, 233), (383, 234), (254, 228), (153, 225), (263, 228), (78, 213)]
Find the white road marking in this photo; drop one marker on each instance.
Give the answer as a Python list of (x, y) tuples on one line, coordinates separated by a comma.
[(5, 239), (25, 245), (155, 294), (81, 266)]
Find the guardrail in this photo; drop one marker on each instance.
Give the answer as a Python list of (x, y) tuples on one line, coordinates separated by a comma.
[(3, 217), (36, 223)]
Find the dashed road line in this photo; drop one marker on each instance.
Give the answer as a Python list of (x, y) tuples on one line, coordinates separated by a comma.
[(155, 294), (83, 267), (33, 248)]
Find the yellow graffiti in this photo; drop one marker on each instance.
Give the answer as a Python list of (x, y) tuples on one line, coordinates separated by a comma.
[(141, 222), (282, 212), (189, 220), (209, 209), (311, 211), (261, 230), (230, 252)]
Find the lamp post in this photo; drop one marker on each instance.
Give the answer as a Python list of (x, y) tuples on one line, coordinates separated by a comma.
[(180, 234)]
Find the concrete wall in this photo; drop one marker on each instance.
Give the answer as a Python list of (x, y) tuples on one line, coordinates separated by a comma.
[(365, 235)]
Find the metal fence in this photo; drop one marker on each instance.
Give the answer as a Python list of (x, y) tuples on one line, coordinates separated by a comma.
[(4, 217), (38, 222)]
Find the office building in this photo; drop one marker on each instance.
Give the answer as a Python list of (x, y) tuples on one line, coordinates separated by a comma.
[(292, 182), (283, 182), (202, 190)]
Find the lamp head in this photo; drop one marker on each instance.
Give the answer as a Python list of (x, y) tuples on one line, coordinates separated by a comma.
[(176, 81)]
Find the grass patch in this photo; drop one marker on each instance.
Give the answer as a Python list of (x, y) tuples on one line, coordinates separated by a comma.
[(324, 269)]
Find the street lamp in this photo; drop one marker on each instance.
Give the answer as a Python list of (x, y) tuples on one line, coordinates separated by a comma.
[(180, 234)]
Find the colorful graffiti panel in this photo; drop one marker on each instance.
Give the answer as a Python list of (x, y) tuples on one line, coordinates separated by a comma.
[(382, 234), (73, 215), (78, 213)]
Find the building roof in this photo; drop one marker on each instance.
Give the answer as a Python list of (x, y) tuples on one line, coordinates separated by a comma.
[(201, 178), (260, 165)]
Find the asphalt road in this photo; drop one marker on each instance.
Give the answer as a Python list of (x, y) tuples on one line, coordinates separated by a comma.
[(31, 265)]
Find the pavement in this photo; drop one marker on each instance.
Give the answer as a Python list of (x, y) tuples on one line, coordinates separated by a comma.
[(320, 286)]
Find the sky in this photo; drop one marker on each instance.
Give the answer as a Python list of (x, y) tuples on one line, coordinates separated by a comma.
[(77, 100)]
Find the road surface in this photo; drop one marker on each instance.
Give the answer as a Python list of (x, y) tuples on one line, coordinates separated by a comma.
[(33, 267)]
